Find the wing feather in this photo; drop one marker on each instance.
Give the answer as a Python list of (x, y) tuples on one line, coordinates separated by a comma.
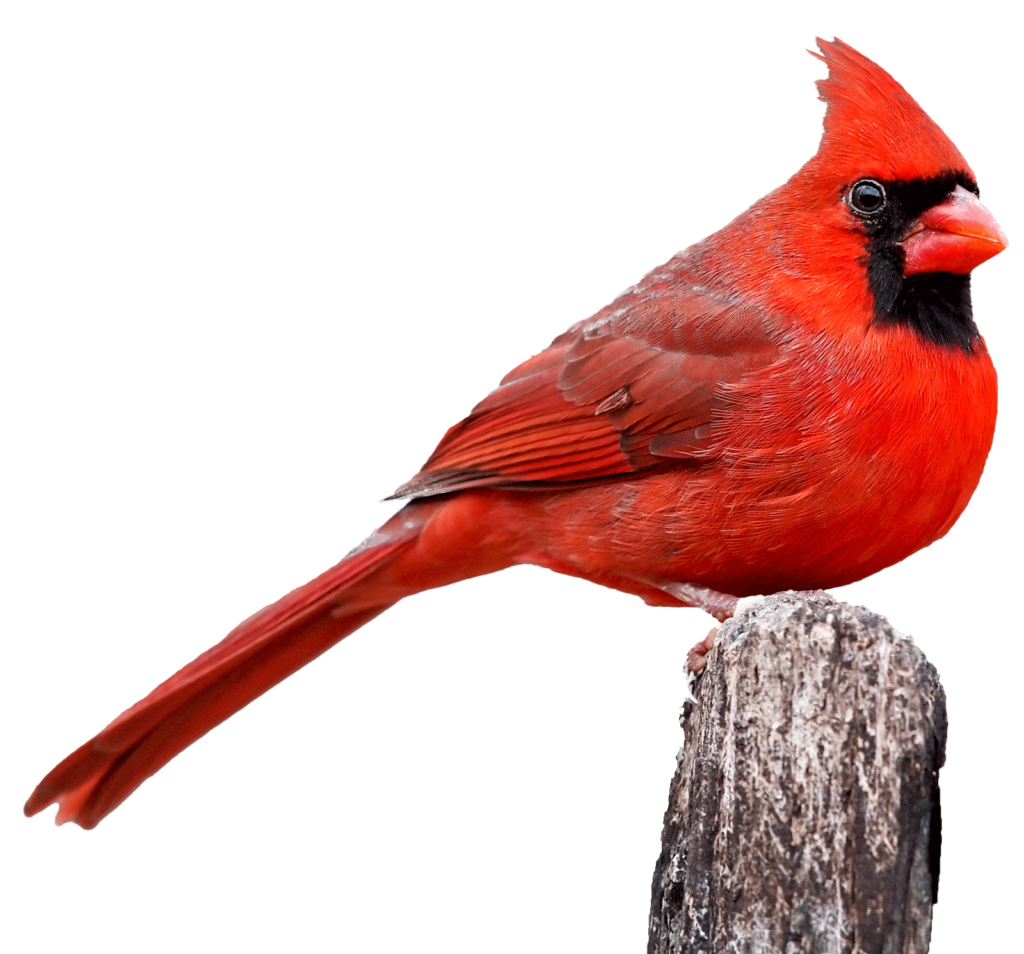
[(641, 384)]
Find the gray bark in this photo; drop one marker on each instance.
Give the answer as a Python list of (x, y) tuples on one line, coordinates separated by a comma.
[(803, 816)]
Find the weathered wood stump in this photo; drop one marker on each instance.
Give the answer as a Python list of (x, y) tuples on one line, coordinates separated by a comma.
[(804, 812)]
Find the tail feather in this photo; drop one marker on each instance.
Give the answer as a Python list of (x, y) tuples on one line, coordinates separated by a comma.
[(269, 646)]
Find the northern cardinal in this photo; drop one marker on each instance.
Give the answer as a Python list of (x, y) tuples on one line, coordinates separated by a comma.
[(798, 401)]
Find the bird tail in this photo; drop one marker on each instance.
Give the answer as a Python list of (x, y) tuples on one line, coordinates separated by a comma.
[(269, 646)]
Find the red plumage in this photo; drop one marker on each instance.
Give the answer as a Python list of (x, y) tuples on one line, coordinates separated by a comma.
[(797, 401)]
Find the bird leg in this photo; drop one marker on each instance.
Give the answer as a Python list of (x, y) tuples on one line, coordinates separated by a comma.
[(719, 605), (722, 606)]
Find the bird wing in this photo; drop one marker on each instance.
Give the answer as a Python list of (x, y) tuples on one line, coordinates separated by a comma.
[(644, 383)]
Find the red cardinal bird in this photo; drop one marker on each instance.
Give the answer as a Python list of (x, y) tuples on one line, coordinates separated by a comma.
[(798, 401)]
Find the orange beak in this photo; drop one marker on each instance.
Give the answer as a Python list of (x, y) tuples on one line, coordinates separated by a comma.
[(954, 236)]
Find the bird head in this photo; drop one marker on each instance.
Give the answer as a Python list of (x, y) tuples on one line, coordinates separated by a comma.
[(888, 192)]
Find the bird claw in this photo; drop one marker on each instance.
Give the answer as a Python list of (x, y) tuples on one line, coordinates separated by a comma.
[(722, 607), (713, 602), (696, 658)]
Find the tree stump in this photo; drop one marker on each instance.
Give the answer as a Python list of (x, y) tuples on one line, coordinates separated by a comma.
[(804, 812)]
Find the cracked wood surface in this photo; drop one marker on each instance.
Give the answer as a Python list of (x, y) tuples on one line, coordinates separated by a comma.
[(804, 813)]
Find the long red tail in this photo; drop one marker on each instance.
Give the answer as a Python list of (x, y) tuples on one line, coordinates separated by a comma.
[(280, 639)]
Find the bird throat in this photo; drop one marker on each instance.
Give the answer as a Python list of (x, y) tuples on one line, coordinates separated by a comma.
[(936, 305)]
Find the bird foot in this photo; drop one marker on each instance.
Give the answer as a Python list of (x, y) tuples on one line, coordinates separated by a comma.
[(696, 658), (697, 653), (722, 606)]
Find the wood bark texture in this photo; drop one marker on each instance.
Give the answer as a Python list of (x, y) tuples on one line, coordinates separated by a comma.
[(804, 813)]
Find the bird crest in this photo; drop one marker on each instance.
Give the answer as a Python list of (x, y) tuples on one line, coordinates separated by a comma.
[(874, 126)]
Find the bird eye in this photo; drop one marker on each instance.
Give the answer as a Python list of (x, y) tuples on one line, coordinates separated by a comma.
[(867, 197)]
